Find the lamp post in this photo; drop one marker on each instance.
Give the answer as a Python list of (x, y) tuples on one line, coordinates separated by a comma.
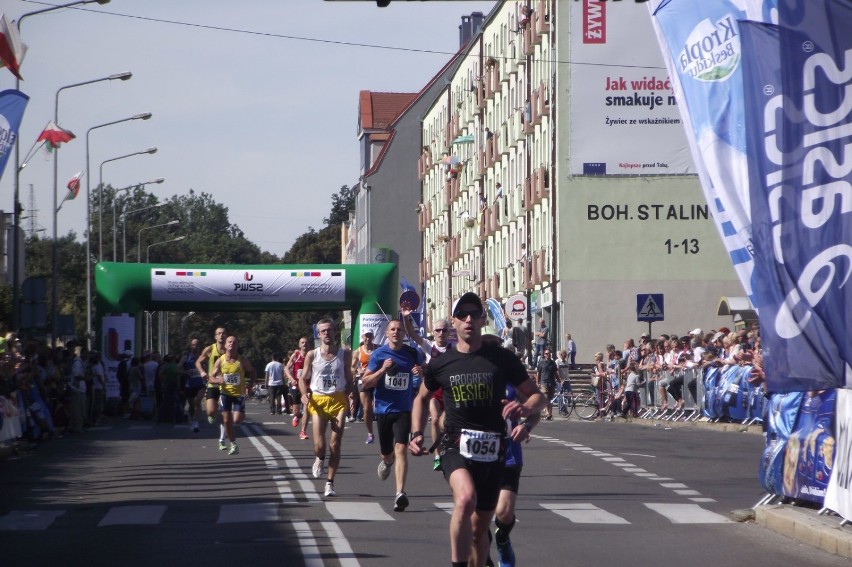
[(100, 197), (15, 213), (124, 216), (143, 116), (55, 257), (163, 326), (114, 199), (141, 230), (148, 250)]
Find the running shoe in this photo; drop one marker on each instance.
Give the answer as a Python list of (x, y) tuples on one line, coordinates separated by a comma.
[(384, 469), (317, 468), (329, 489), (505, 553), (195, 428), (369, 439), (295, 421), (222, 445), (436, 463), (303, 435), (234, 449), (401, 502), (211, 419)]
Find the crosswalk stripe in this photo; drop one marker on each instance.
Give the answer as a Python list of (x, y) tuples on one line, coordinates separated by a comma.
[(445, 506), (367, 511), (241, 513), (583, 513), (29, 520), (133, 516), (687, 514)]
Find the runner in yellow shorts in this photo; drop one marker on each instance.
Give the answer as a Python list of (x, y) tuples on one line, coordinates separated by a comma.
[(232, 372), (325, 391)]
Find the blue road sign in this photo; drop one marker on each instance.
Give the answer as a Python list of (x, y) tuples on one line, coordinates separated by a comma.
[(649, 307)]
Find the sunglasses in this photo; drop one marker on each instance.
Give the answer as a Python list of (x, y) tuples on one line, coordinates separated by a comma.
[(463, 314), (441, 330)]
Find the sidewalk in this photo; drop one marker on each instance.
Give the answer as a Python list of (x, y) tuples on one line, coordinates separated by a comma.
[(802, 524)]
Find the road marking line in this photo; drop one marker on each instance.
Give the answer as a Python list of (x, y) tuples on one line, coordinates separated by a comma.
[(646, 474), (133, 515), (33, 520), (581, 448), (687, 492), (584, 513), (673, 485), (254, 512), (639, 455), (340, 544), (445, 506), (624, 465), (367, 511), (703, 499), (614, 459), (308, 545), (634, 470), (688, 514), (301, 477)]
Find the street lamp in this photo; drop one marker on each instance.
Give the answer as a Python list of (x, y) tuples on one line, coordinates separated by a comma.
[(141, 230), (148, 250), (55, 259), (100, 197), (124, 216), (15, 213), (143, 116), (114, 199)]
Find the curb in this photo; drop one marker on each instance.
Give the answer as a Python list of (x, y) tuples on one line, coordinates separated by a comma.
[(807, 526)]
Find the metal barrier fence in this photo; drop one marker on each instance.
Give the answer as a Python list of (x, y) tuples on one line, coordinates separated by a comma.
[(714, 393)]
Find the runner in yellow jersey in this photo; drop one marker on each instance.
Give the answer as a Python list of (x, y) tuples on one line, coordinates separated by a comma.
[(204, 364), (232, 372)]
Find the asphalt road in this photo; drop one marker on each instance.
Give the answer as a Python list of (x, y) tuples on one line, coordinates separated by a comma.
[(138, 493)]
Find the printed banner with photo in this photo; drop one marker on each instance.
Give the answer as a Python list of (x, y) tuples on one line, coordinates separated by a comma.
[(623, 114), (838, 496)]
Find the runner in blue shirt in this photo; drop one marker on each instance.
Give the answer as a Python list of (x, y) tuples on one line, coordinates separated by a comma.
[(391, 372)]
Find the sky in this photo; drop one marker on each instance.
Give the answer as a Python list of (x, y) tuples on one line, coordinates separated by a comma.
[(255, 103)]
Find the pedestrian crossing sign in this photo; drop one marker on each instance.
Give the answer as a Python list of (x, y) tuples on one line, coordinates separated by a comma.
[(649, 307)]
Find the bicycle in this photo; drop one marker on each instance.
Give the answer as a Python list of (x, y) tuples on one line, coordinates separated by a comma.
[(564, 400)]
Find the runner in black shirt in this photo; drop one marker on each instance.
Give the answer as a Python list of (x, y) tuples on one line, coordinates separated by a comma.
[(474, 378)]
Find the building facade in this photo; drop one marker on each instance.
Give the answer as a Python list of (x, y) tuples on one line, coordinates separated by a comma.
[(554, 165)]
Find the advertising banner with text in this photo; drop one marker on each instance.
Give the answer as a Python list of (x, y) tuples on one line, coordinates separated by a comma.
[(623, 115)]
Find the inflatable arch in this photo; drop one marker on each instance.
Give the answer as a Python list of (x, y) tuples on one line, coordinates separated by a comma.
[(125, 290)]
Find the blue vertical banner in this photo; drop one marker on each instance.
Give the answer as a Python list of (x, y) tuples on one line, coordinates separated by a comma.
[(798, 105), (12, 106)]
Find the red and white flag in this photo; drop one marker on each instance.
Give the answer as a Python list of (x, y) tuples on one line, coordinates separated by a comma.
[(53, 136), (12, 49), (74, 186)]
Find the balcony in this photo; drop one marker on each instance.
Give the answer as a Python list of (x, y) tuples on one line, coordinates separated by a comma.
[(529, 45), (527, 202), (543, 101), (541, 18)]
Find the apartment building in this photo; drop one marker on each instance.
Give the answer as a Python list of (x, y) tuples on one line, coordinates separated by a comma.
[(554, 168)]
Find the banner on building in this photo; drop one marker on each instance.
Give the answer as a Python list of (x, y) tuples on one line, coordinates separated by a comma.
[(623, 114)]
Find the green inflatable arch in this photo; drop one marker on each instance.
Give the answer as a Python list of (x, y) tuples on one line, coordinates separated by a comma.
[(126, 290)]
